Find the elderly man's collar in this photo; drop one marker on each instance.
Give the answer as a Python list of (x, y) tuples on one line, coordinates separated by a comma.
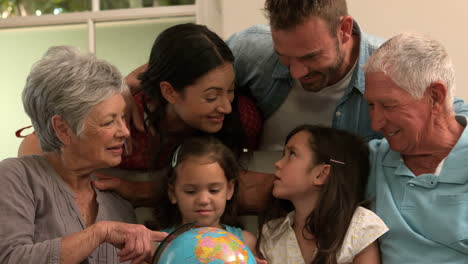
[(451, 163), (462, 120)]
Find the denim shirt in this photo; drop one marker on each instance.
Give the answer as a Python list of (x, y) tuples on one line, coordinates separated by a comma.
[(260, 74)]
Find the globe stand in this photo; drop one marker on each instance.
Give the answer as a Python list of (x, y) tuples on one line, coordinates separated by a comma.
[(163, 245)]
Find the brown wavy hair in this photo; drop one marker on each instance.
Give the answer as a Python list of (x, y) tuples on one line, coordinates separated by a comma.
[(339, 197)]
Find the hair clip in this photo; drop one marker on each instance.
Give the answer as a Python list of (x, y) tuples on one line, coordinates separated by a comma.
[(174, 157), (337, 161)]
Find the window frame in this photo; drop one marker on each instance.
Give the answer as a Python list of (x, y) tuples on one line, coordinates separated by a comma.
[(96, 15)]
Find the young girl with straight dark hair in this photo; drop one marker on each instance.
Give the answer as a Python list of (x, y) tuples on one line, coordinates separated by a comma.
[(317, 215)]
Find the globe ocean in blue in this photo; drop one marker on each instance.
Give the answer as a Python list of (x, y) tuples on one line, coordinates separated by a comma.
[(205, 245)]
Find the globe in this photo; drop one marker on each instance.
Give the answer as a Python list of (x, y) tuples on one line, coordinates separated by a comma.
[(204, 245)]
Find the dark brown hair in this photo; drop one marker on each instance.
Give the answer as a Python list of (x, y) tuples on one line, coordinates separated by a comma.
[(285, 14), (339, 197), (181, 55), (167, 214)]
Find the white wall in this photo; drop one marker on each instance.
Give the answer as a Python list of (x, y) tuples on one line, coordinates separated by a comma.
[(226, 17), (445, 20), (240, 14)]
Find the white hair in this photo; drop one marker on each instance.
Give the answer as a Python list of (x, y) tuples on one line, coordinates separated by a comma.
[(414, 61), (66, 83)]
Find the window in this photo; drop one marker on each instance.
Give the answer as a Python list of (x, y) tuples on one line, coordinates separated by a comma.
[(21, 8), (119, 31)]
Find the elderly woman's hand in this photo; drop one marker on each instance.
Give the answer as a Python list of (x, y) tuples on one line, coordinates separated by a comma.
[(133, 240)]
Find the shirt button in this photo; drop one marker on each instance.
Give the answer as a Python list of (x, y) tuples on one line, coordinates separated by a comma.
[(338, 113), (411, 184)]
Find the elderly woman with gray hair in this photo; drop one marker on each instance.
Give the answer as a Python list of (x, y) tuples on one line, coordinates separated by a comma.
[(49, 211), (418, 179)]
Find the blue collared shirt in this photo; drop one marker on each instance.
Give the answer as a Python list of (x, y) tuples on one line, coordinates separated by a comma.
[(260, 74), (427, 215)]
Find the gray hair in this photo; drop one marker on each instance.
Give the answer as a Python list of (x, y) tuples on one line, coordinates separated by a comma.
[(414, 61), (67, 83)]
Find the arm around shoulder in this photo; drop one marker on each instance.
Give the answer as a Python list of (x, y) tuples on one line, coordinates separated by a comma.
[(29, 146), (139, 193), (254, 191), (133, 80)]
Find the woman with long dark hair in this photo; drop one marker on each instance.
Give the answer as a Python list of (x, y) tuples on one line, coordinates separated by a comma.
[(188, 89)]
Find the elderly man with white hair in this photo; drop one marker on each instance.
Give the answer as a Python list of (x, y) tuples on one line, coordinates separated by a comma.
[(418, 181)]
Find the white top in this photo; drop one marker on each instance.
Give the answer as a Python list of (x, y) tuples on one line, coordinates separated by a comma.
[(302, 107), (280, 244)]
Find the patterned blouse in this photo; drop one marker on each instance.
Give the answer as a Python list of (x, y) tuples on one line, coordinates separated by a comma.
[(143, 151), (280, 244)]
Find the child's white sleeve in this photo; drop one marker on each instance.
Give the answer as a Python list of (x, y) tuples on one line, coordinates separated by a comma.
[(264, 248), (365, 228)]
